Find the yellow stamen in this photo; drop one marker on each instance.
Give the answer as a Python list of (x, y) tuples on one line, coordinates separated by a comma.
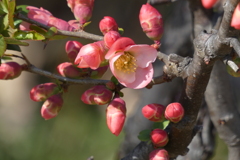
[(126, 63)]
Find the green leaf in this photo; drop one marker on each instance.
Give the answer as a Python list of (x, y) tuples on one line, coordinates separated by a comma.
[(6, 58), (3, 16), (114, 80), (161, 125), (10, 40), (30, 35), (3, 45), (121, 31), (22, 9), (144, 135), (11, 9)]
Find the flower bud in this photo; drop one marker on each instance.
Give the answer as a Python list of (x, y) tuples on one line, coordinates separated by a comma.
[(151, 22), (174, 112), (108, 24), (59, 24), (99, 72), (110, 37), (67, 69), (236, 17), (116, 114), (72, 48), (97, 95), (154, 112), (43, 91), (91, 55), (52, 106), (208, 3), (10, 70), (159, 137), (159, 154)]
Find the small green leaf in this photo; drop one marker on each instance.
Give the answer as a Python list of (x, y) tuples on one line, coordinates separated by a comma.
[(30, 35), (161, 125), (3, 45), (86, 24), (144, 135), (13, 47), (10, 40), (11, 9), (114, 80), (121, 31), (6, 58), (22, 9)]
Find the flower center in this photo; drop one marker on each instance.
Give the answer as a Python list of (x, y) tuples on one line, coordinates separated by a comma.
[(126, 63)]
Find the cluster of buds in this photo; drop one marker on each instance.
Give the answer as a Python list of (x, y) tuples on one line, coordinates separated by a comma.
[(151, 22), (174, 112), (10, 70), (48, 92)]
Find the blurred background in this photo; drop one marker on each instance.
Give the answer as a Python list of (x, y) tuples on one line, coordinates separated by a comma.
[(79, 131)]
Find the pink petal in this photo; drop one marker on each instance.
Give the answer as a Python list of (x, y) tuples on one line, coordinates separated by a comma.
[(144, 54), (143, 78), (122, 77), (119, 45)]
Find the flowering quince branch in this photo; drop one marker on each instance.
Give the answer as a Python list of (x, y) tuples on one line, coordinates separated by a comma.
[(80, 34)]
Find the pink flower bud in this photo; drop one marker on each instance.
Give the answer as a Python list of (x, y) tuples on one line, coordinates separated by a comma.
[(159, 137), (82, 9), (10, 70), (110, 37), (67, 69), (42, 91), (91, 55), (208, 3), (99, 72), (159, 154), (116, 114), (97, 95), (52, 106), (236, 17), (75, 25), (108, 24), (72, 48), (110, 85), (154, 112), (59, 24), (174, 112), (151, 22)]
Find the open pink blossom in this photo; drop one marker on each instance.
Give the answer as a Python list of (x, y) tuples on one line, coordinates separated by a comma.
[(131, 64), (91, 55)]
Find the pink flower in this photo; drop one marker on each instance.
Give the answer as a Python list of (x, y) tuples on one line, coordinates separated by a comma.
[(82, 9), (108, 24), (151, 22), (131, 64), (51, 107), (10, 70), (116, 115), (159, 154), (45, 17), (91, 55), (72, 48)]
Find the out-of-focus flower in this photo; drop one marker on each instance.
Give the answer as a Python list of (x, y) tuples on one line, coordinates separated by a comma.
[(236, 17), (108, 24), (52, 106), (91, 55), (159, 154), (43, 91), (116, 114), (154, 112), (82, 9), (97, 95), (10, 70), (131, 64), (45, 17), (110, 37), (151, 22), (174, 112), (72, 48), (208, 3)]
